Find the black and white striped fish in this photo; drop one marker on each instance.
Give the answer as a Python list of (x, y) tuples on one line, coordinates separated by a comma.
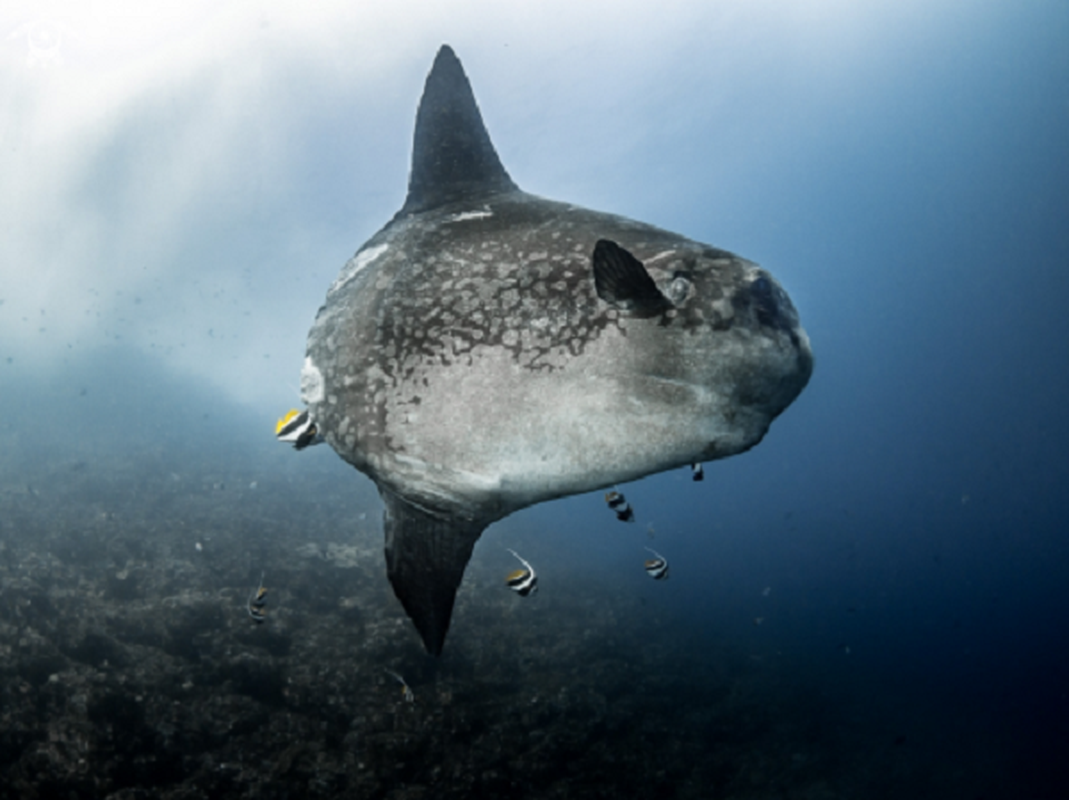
[(522, 581), (618, 503), (257, 601), (406, 691), (698, 471), (298, 427), (657, 568)]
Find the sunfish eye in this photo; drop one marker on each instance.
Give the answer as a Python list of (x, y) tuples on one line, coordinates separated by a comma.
[(678, 289)]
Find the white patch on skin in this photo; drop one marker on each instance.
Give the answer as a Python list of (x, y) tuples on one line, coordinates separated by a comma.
[(434, 481), (659, 256), (311, 383), (724, 308), (357, 263), (365, 257), (466, 215)]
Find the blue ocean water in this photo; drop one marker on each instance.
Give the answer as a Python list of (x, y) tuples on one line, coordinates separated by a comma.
[(894, 552)]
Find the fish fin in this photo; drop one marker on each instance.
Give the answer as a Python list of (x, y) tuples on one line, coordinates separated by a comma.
[(453, 158), (285, 420), (622, 281), (426, 554)]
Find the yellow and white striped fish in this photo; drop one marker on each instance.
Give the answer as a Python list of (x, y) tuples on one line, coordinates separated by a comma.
[(522, 581)]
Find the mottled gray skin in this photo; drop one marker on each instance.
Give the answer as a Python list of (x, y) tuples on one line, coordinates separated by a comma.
[(471, 364), (465, 361)]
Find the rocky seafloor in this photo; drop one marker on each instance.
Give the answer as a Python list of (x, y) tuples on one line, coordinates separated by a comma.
[(131, 667)]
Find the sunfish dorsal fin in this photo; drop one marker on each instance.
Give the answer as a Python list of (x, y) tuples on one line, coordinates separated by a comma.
[(426, 554), (452, 156)]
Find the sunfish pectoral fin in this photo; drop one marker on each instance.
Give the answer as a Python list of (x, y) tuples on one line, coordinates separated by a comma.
[(426, 554), (622, 281)]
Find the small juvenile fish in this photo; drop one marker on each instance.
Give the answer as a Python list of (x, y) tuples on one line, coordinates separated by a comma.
[(406, 690), (522, 581), (698, 471), (298, 427), (618, 503), (657, 568), (257, 601)]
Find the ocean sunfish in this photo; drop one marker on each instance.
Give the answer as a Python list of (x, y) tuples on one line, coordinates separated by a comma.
[(489, 349)]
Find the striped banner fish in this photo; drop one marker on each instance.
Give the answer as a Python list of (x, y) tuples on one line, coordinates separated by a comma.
[(522, 581), (406, 691), (257, 601), (618, 503), (657, 568), (298, 427)]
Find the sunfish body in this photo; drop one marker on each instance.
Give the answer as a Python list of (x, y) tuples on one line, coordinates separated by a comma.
[(488, 349)]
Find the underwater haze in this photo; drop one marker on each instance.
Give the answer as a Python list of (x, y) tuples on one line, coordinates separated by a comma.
[(870, 603)]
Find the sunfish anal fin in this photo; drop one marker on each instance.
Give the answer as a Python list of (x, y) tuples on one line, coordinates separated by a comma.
[(426, 555), (622, 281)]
